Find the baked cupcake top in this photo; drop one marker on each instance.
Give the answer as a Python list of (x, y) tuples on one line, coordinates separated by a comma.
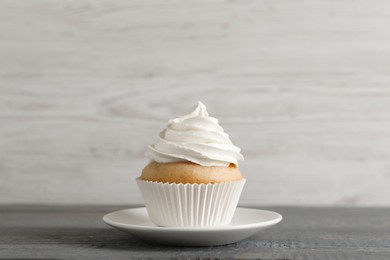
[(195, 137)]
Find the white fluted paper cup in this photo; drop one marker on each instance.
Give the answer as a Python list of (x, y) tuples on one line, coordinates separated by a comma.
[(190, 205)]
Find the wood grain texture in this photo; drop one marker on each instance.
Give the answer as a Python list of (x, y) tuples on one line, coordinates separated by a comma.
[(305, 233), (302, 87)]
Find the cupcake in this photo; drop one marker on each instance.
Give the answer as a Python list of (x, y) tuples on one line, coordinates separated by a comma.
[(193, 178)]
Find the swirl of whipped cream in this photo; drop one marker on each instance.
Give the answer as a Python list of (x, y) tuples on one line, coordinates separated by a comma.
[(197, 138)]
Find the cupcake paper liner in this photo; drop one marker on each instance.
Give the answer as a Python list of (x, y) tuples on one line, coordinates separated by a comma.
[(190, 205)]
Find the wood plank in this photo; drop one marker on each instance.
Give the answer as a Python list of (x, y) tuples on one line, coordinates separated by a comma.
[(305, 233), (301, 87)]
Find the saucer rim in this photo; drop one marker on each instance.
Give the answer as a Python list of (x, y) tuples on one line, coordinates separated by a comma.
[(278, 218)]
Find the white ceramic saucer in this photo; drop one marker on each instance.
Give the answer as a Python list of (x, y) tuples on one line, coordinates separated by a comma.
[(246, 222)]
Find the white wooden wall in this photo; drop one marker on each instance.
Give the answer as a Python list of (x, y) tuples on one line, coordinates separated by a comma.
[(301, 86)]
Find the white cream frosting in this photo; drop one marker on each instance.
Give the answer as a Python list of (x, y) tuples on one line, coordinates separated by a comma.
[(195, 137)]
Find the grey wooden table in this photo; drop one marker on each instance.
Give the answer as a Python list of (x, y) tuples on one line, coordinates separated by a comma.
[(78, 232)]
